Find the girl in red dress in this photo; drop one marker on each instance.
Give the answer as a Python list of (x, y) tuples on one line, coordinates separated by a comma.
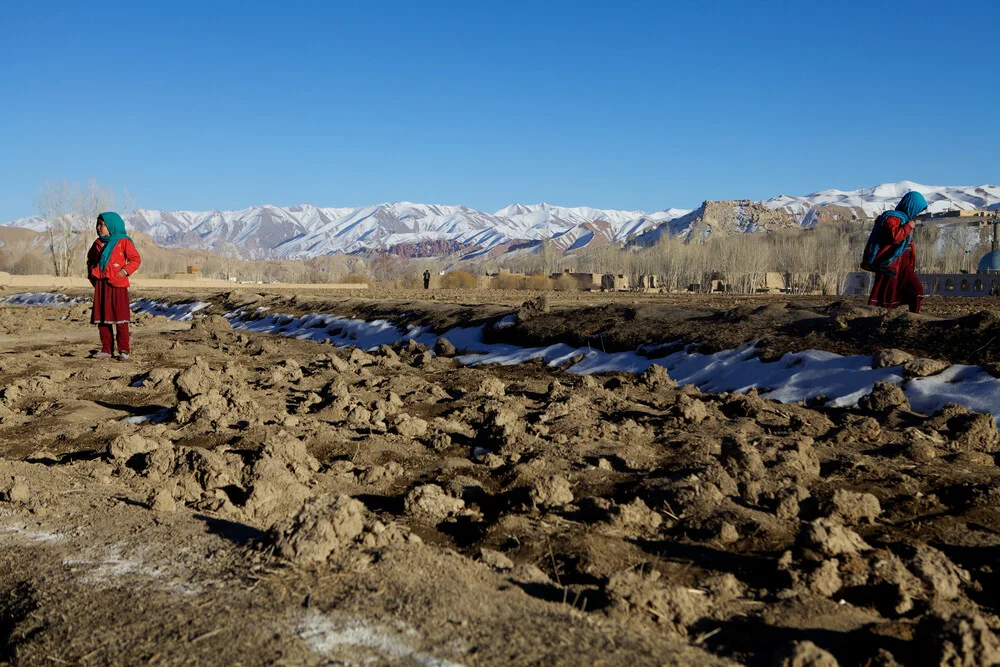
[(111, 260), (895, 265)]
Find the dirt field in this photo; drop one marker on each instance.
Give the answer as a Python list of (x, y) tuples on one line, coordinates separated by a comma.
[(233, 498)]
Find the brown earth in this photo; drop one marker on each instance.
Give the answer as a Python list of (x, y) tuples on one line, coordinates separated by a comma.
[(292, 503)]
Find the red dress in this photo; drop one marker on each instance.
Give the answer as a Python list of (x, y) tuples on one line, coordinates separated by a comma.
[(898, 284), (111, 302)]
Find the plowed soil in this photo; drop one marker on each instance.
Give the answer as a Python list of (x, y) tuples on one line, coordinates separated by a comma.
[(234, 498)]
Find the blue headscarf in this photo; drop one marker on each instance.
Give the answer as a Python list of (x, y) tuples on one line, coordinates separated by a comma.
[(116, 232), (911, 205)]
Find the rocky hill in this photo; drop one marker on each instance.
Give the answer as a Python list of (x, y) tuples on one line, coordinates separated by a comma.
[(722, 218)]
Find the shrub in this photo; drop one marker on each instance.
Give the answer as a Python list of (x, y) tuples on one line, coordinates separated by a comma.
[(508, 281), (354, 278), (565, 283), (458, 280), (537, 282)]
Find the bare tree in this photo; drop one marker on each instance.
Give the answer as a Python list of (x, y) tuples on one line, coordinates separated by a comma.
[(68, 211)]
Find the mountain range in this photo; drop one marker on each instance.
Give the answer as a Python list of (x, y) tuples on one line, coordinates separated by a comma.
[(406, 228)]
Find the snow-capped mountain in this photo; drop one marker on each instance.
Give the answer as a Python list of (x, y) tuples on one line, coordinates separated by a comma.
[(876, 200), (308, 231)]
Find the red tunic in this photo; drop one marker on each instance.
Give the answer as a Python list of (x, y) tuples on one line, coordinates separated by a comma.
[(899, 284), (111, 302)]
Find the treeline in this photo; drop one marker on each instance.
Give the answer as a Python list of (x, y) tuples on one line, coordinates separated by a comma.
[(814, 259)]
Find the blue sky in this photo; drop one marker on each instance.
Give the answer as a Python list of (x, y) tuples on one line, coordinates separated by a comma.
[(634, 105)]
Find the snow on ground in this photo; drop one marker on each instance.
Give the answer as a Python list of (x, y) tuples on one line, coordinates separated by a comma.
[(795, 377), (181, 312), (328, 328), (39, 299)]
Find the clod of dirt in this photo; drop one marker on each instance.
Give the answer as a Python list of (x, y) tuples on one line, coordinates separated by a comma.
[(159, 377), (965, 639), (553, 491), (324, 524), (655, 377), (727, 533), (278, 479), (125, 447), (533, 307), (825, 580), (200, 472), (503, 427), (921, 368), (493, 387), (15, 491), (410, 427), (901, 588), (884, 398), (444, 348), (211, 324), (943, 578), (633, 517), (429, 502), (970, 431), (675, 607), (162, 500), (744, 463), (359, 357), (377, 474), (831, 538), (690, 410), (218, 398), (890, 357), (806, 654), (852, 507), (196, 380)]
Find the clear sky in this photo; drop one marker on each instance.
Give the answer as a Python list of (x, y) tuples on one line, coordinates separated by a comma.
[(617, 104)]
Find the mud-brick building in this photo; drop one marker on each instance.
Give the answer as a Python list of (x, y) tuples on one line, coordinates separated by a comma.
[(615, 282)]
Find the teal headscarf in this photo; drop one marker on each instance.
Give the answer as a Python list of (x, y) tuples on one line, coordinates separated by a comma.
[(116, 232), (911, 205)]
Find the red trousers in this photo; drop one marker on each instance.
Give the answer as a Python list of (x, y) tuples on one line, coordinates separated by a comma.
[(108, 339)]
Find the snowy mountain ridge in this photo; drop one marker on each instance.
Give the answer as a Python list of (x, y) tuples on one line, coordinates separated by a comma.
[(305, 230)]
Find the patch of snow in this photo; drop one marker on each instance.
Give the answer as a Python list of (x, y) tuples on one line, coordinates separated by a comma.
[(40, 299), (181, 312), (329, 637)]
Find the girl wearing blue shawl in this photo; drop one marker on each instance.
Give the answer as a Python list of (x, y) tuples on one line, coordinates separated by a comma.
[(895, 265), (111, 260)]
